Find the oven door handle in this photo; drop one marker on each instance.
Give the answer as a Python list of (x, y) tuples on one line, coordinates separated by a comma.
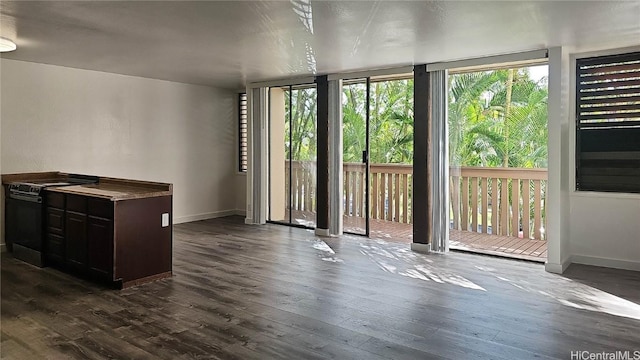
[(33, 199)]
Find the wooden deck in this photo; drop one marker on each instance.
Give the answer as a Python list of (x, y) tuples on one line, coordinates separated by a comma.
[(505, 246)]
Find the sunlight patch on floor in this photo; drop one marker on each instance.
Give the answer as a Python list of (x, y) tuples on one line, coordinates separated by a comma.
[(329, 255), (402, 261), (576, 295), (323, 246)]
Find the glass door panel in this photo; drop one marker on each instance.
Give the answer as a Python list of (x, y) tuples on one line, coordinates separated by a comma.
[(391, 158), (302, 150), (279, 188), (354, 133), (292, 155), (497, 138)]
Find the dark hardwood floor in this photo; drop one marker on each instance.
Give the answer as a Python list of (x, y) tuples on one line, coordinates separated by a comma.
[(260, 292)]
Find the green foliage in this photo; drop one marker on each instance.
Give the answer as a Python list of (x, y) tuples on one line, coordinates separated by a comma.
[(496, 119), (483, 133), (303, 125), (353, 121), (391, 125)]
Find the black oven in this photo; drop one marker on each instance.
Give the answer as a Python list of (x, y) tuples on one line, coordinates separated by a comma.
[(24, 227)]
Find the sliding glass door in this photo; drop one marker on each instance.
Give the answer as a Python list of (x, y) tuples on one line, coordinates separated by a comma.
[(355, 132), (292, 155), (377, 157)]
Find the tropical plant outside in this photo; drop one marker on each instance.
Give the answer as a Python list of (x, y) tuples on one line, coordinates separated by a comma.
[(300, 132), (498, 119), (391, 122)]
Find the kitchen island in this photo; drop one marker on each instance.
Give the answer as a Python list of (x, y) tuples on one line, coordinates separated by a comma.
[(117, 231)]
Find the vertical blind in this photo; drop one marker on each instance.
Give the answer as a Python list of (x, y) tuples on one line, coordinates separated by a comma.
[(242, 132), (608, 123), (440, 162)]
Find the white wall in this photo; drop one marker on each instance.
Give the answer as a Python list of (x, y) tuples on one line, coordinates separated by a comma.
[(57, 118), (605, 230), (241, 194)]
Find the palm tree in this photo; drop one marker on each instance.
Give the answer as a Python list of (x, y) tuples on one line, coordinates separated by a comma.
[(391, 121), (471, 138), (497, 119), (303, 124), (353, 122)]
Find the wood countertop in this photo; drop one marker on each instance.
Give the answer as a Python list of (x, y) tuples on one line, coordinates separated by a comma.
[(110, 191), (107, 188), (25, 177)]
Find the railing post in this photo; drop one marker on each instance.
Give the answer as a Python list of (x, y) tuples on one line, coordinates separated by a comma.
[(537, 220), (504, 207), (455, 200), (465, 204), (495, 212), (347, 192), (474, 204), (484, 199), (526, 211), (389, 197), (515, 207)]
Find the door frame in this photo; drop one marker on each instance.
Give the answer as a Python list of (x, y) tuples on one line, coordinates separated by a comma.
[(365, 159)]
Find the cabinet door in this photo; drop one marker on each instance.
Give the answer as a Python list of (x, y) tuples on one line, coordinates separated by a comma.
[(54, 249), (54, 238), (100, 247), (76, 240), (55, 221)]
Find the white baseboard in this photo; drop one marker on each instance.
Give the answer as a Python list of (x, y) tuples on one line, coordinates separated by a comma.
[(605, 262), (322, 232), (421, 248), (557, 268), (240, 212), (205, 216)]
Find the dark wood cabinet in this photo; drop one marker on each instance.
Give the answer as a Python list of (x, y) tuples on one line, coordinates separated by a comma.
[(100, 247), (122, 242), (87, 235), (54, 250), (55, 230), (76, 241), (55, 220), (80, 234)]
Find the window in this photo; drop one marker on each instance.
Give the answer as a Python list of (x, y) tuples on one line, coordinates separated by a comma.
[(608, 123), (242, 132)]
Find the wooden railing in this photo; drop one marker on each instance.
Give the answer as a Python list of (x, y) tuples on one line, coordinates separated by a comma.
[(303, 190), (390, 196), (502, 201)]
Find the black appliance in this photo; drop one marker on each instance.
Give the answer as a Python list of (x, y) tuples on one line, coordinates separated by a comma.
[(24, 209)]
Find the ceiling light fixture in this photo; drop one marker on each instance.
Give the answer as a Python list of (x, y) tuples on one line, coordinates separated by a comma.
[(6, 45)]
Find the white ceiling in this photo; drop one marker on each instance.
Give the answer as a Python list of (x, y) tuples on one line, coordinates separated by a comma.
[(226, 44)]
